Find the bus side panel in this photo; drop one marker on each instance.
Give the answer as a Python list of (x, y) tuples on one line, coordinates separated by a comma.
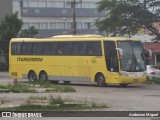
[(83, 67), (63, 69), (96, 65), (15, 69), (21, 65)]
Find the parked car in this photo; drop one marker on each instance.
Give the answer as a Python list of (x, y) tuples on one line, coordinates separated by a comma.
[(152, 72)]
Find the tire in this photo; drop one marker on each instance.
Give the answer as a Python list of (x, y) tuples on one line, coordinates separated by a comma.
[(32, 76), (43, 76), (123, 85), (100, 80)]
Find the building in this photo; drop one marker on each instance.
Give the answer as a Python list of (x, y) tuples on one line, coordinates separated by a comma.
[(155, 48), (53, 17), (5, 8)]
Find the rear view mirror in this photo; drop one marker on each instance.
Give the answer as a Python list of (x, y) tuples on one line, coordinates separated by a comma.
[(120, 52), (150, 53)]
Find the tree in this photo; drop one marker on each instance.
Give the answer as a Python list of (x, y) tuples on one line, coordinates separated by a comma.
[(29, 33), (9, 28), (128, 16)]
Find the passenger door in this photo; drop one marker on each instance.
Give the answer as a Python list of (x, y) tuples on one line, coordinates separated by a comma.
[(111, 61)]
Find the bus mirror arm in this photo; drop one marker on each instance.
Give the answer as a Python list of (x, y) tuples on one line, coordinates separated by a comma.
[(120, 51), (150, 53)]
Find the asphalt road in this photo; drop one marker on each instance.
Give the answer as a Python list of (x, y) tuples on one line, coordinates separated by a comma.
[(135, 97), (4, 77)]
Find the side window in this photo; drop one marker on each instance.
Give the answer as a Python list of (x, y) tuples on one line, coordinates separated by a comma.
[(111, 56), (158, 57), (50, 48), (79, 48), (64, 48), (16, 48), (26, 48), (94, 49), (75, 49), (83, 48), (37, 48)]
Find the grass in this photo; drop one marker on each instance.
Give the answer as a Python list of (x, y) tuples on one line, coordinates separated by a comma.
[(31, 87), (56, 100), (154, 80), (18, 88), (52, 87), (61, 88), (37, 100), (56, 103), (41, 83), (96, 105)]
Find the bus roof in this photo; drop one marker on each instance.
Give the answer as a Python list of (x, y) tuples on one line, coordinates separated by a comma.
[(119, 38), (78, 36), (87, 37)]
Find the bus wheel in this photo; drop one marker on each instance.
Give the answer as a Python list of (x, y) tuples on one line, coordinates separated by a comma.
[(32, 76), (43, 76), (100, 80), (123, 85)]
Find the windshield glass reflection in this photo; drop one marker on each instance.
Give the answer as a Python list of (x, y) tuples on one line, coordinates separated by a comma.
[(133, 56)]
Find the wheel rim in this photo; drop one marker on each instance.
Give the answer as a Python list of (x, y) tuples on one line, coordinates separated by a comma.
[(43, 76), (100, 81)]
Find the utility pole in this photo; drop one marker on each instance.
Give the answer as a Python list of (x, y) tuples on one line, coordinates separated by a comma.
[(144, 4), (74, 17), (73, 5)]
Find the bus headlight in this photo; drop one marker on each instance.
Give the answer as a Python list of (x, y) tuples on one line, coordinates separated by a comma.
[(144, 74)]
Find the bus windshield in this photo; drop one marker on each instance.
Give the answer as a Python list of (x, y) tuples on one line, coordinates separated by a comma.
[(133, 56)]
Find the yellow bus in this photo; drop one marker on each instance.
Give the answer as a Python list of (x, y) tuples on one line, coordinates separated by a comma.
[(68, 58)]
